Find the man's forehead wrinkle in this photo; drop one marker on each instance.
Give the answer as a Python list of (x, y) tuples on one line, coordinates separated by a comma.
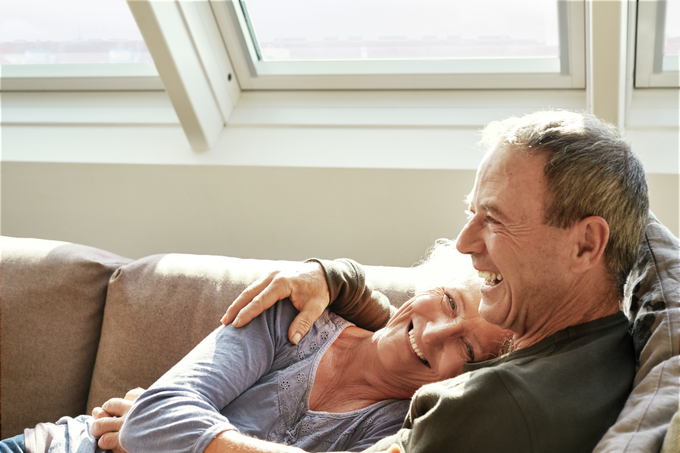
[(491, 197)]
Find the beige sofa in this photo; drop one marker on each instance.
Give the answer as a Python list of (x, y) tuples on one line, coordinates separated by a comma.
[(81, 325)]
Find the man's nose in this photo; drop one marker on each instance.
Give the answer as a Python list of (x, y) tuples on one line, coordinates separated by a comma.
[(469, 240)]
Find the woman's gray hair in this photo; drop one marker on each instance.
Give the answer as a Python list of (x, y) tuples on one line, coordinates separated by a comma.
[(442, 264), (591, 170)]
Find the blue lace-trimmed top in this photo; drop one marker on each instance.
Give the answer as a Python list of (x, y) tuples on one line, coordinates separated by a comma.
[(254, 380)]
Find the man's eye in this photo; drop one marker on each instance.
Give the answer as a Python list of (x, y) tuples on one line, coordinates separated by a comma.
[(490, 219), (451, 302)]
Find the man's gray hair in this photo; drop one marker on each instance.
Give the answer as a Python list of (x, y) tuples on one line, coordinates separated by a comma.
[(591, 170)]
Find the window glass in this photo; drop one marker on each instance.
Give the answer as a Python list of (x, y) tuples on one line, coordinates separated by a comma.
[(671, 44), (400, 29), (69, 32)]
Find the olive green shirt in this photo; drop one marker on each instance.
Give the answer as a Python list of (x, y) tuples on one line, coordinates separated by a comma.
[(558, 395)]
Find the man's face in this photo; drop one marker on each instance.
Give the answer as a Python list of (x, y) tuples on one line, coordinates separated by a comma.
[(526, 261)]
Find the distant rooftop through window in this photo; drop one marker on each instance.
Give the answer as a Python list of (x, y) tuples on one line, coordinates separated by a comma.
[(672, 28), (399, 29), (69, 32)]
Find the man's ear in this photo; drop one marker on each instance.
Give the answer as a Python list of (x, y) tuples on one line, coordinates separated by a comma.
[(592, 234)]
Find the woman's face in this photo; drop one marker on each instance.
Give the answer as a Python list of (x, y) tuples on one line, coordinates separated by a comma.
[(432, 335)]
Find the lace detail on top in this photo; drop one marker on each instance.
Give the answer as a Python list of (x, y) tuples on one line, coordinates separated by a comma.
[(298, 425)]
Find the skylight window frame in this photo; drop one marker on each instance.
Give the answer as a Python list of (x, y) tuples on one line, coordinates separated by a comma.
[(650, 63), (478, 73), (80, 77)]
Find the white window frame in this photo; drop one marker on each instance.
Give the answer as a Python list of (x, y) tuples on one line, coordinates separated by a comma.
[(80, 77), (649, 58), (479, 73)]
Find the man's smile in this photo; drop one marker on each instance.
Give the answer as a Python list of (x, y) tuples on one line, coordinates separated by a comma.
[(490, 278)]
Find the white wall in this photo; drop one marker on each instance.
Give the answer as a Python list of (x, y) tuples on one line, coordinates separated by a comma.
[(373, 176)]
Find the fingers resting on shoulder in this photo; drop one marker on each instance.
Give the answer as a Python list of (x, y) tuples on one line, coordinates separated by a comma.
[(304, 284)]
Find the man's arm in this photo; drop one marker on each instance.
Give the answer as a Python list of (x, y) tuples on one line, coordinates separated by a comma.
[(311, 287), (232, 441), (470, 413), (354, 298)]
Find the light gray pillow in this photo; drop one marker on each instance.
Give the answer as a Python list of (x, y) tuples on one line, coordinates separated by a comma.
[(653, 304), (52, 305)]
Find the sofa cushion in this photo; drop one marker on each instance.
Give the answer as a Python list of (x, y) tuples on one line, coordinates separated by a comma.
[(159, 307), (53, 297), (652, 303)]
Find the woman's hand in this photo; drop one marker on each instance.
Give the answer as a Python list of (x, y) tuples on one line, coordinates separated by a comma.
[(306, 287), (109, 420)]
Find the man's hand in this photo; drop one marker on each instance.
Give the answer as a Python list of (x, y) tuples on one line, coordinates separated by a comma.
[(109, 420), (306, 287)]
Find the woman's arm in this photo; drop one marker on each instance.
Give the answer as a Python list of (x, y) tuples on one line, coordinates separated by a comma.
[(181, 411)]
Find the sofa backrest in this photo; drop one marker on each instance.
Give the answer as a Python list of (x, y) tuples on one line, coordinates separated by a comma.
[(53, 296)]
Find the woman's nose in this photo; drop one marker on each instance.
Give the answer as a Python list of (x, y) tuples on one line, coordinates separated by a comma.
[(469, 240), (437, 334)]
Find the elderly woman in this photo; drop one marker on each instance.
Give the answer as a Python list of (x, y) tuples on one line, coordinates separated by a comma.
[(340, 388)]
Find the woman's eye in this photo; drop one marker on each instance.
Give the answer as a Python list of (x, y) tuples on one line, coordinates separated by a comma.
[(471, 353), (451, 302)]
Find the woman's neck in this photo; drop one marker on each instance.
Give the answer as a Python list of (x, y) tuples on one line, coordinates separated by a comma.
[(349, 375)]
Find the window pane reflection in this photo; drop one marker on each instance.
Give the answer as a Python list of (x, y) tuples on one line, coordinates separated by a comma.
[(69, 32), (401, 29)]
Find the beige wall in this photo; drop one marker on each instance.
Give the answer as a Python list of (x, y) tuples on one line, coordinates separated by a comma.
[(664, 198), (376, 216)]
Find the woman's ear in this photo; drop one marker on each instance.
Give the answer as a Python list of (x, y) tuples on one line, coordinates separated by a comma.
[(592, 234)]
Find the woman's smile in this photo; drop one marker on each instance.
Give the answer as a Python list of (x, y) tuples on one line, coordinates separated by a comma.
[(414, 346)]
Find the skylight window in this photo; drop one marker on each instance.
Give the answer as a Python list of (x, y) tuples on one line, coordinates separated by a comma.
[(658, 44), (47, 44), (401, 29), (671, 38), (430, 44), (70, 32)]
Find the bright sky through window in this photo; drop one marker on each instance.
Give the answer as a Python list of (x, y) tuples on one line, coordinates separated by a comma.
[(69, 32), (401, 29), (672, 28)]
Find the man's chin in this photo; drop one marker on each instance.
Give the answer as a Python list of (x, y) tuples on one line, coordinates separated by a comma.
[(494, 309)]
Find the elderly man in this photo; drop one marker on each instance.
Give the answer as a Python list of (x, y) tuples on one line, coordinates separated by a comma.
[(555, 219)]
